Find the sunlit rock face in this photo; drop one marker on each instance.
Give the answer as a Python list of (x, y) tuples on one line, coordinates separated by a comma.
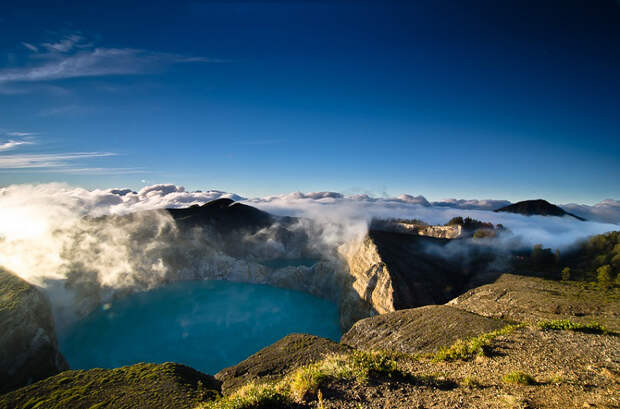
[(392, 271), (28, 347), (440, 232)]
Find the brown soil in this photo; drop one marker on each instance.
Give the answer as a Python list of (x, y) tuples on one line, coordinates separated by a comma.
[(572, 370), (423, 329)]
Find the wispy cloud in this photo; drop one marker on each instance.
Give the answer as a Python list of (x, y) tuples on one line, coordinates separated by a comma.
[(31, 47), (11, 144), (66, 43), (48, 160), (13, 158), (74, 57), (20, 134)]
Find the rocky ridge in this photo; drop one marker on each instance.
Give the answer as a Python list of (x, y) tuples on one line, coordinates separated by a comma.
[(28, 345)]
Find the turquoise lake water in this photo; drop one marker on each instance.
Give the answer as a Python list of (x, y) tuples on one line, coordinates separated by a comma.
[(208, 325)]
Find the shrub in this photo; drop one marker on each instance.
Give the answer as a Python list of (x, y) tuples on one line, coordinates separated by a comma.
[(603, 276), (519, 377), (566, 274), (559, 325)]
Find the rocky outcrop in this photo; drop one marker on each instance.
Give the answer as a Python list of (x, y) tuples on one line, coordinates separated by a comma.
[(439, 232), (416, 330), (392, 271), (529, 299), (276, 360), (165, 385), (28, 346)]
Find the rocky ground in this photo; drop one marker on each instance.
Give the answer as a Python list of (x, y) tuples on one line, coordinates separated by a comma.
[(528, 299), (570, 370)]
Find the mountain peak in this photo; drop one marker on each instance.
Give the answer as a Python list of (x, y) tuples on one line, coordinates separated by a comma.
[(538, 207)]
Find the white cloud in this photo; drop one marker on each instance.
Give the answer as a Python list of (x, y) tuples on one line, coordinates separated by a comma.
[(21, 134), (47, 160), (12, 144), (74, 57), (607, 210), (66, 44)]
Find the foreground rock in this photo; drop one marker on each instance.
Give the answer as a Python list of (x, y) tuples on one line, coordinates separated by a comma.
[(423, 329), (28, 346), (278, 359), (138, 386), (567, 369), (529, 299)]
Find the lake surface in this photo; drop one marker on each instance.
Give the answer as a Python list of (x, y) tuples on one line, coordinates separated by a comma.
[(208, 325)]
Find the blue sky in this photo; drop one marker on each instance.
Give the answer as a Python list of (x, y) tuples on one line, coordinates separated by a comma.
[(480, 99)]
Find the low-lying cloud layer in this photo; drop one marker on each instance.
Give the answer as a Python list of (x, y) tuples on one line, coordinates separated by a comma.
[(35, 219)]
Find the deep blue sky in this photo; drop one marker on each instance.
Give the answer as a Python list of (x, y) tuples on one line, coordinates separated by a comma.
[(468, 99)]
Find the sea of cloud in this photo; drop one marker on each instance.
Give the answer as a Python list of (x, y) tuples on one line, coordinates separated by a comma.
[(39, 223)]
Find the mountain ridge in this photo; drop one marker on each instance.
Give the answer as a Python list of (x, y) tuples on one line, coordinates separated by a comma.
[(537, 207)]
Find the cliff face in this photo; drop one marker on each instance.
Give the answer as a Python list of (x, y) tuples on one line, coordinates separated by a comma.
[(28, 346), (391, 271)]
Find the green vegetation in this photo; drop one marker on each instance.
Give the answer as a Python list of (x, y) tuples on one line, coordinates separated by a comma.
[(252, 396), (603, 276), (600, 251), (519, 377), (469, 224), (140, 385), (596, 260), (417, 222), (12, 291), (464, 350), (484, 233), (566, 274), (304, 383), (471, 382), (559, 325)]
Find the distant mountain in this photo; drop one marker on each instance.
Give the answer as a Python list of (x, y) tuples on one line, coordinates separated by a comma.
[(538, 207), (224, 215)]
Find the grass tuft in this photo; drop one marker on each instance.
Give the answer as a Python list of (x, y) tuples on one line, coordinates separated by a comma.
[(476, 346), (252, 396), (519, 377), (559, 325), (471, 382)]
